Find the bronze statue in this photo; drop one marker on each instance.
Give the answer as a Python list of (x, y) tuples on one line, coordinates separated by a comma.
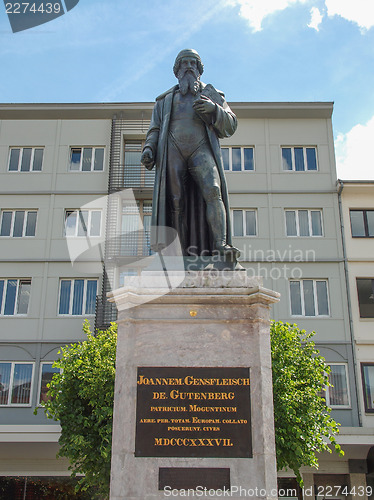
[(190, 193)]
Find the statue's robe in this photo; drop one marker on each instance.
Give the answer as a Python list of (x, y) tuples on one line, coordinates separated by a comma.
[(198, 239)]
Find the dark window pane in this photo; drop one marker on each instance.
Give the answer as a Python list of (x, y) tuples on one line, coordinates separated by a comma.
[(22, 384), (38, 160), (225, 158), (31, 224), (6, 223), (295, 298), (299, 160), (286, 159), (316, 223), (323, 303), (303, 223), (238, 222), (236, 160), (75, 161), (339, 391), (1, 293), (309, 298), (14, 159), (78, 297), (250, 223), (357, 223), (65, 297), (10, 298), (99, 159), (248, 159), (82, 222), (368, 379), (311, 158), (23, 297), (87, 158), (91, 296), (291, 223), (18, 223), (47, 373), (95, 223), (365, 291), (26, 159), (370, 221), (71, 223), (5, 369)]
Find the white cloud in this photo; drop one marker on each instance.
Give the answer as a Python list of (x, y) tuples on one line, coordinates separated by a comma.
[(354, 152), (316, 18), (255, 11), (359, 11)]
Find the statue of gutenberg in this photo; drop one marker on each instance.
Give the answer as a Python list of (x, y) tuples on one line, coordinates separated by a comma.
[(190, 193)]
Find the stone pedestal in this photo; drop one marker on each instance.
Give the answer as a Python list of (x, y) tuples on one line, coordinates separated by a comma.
[(217, 320)]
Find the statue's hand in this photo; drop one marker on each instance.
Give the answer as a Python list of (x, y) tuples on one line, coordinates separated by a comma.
[(204, 105), (147, 158)]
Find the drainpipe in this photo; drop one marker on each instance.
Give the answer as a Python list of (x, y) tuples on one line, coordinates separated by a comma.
[(351, 330)]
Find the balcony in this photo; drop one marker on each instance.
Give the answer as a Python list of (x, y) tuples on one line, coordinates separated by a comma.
[(130, 176), (106, 312)]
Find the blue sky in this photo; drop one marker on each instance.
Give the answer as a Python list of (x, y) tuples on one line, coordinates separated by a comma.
[(268, 50)]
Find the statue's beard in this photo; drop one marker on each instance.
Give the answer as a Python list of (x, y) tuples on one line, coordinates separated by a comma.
[(189, 81)]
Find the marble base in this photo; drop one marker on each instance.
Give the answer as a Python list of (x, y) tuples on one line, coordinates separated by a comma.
[(219, 320)]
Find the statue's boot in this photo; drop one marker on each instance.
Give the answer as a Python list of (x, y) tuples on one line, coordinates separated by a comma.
[(217, 221)]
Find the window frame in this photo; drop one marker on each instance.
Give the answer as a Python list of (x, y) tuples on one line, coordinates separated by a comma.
[(365, 221), (11, 380), (328, 389), (315, 297), (244, 224), (17, 295), (71, 298), (242, 165), (79, 211), (309, 210), (13, 211), (94, 148), (293, 162), (143, 235), (363, 364), (22, 148)]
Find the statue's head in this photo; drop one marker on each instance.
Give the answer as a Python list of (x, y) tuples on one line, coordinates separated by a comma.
[(188, 53)]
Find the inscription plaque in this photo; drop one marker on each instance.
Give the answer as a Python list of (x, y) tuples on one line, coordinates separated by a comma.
[(193, 412), (184, 478)]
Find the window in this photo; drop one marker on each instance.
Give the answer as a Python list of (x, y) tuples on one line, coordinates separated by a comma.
[(18, 223), (82, 222), (365, 291), (77, 297), (304, 222), (362, 223), (86, 159), (337, 395), (367, 372), (237, 159), (309, 298), (14, 296), (299, 159), (244, 223), (15, 383), (46, 373), (25, 159), (135, 239), (135, 175)]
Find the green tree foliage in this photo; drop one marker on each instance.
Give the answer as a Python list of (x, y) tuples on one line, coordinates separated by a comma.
[(303, 425), (81, 398)]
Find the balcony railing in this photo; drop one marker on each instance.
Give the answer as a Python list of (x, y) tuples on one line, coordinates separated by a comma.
[(131, 176), (106, 312), (134, 244)]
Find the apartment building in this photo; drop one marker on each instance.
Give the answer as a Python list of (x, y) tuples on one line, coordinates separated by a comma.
[(75, 220)]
